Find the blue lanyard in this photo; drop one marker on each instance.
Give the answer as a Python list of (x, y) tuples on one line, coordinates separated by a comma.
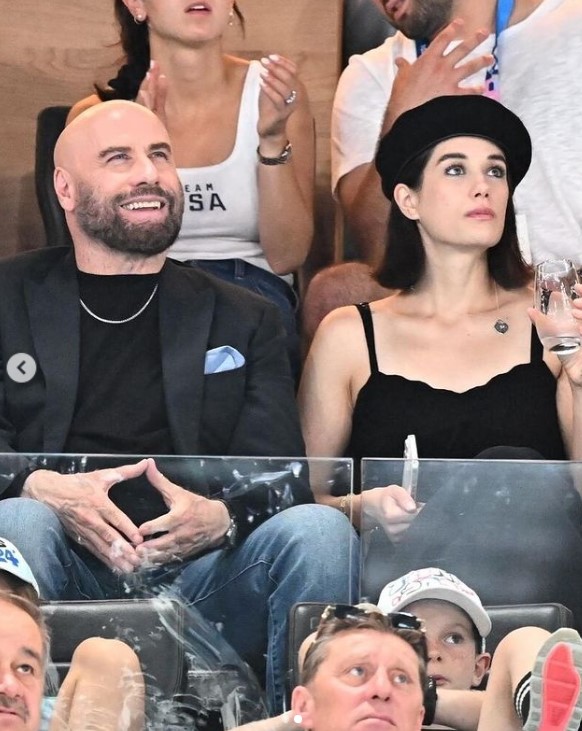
[(502, 15)]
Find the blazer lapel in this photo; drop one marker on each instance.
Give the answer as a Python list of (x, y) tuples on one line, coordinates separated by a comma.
[(186, 313), (53, 305)]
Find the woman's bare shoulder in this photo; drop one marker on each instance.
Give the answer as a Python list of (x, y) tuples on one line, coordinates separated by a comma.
[(80, 106)]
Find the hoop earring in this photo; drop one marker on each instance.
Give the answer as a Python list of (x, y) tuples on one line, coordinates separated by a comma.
[(138, 19), (231, 17)]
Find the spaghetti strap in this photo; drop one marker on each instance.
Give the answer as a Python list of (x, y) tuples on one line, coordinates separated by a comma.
[(536, 352), (366, 315)]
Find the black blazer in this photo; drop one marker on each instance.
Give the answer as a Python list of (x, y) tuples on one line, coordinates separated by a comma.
[(245, 411)]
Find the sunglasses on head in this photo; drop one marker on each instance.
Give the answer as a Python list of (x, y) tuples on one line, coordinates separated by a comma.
[(396, 620)]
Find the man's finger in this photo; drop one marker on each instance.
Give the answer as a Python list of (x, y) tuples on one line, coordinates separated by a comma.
[(162, 524), (125, 472), (166, 488), (120, 521), (447, 35)]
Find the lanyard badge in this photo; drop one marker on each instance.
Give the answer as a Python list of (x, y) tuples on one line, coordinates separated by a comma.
[(502, 15)]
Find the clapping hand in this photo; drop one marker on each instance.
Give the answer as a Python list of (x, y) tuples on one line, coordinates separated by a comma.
[(153, 91), (280, 90)]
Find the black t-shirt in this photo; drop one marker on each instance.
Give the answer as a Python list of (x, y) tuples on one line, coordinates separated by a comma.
[(120, 405)]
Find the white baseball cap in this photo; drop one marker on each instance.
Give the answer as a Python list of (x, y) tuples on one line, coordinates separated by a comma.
[(12, 562), (434, 583)]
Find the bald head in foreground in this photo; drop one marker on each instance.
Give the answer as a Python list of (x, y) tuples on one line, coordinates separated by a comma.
[(136, 354)]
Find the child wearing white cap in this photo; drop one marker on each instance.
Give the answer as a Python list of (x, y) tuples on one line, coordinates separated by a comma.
[(104, 688), (535, 679)]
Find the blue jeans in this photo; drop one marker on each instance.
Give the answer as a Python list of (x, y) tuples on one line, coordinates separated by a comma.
[(301, 554), (267, 285)]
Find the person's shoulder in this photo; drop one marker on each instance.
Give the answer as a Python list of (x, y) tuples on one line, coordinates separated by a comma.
[(386, 52), (376, 67), (339, 325), (82, 105), (36, 261)]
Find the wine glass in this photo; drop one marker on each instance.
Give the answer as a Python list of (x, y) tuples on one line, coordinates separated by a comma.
[(554, 292)]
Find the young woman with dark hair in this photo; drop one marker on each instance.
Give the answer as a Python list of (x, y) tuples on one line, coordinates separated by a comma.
[(452, 356)]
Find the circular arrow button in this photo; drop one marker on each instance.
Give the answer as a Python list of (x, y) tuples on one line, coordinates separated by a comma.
[(21, 367)]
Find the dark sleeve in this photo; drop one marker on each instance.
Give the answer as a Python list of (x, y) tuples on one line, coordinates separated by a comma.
[(268, 422), (268, 425), (14, 469), (264, 490)]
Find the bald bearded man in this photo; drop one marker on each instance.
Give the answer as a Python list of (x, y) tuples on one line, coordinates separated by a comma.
[(137, 354)]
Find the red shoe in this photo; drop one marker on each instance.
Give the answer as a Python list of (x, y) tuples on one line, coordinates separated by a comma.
[(556, 684)]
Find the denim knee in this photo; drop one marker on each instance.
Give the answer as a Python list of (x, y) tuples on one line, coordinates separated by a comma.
[(317, 526), (23, 519), (319, 541)]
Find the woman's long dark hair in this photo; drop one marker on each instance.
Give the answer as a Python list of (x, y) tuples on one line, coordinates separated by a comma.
[(404, 260), (135, 42)]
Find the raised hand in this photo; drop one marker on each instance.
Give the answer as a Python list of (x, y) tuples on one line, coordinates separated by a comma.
[(280, 92), (153, 91), (193, 523), (88, 516), (436, 74)]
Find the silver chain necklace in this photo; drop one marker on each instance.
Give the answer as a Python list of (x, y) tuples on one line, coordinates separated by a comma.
[(127, 319)]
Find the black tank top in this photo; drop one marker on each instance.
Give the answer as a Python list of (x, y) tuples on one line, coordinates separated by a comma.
[(514, 409)]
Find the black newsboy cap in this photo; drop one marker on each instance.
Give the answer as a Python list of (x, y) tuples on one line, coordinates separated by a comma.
[(444, 117)]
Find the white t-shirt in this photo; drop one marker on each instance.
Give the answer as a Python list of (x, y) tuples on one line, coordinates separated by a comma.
[(221, 202), (540, 74)]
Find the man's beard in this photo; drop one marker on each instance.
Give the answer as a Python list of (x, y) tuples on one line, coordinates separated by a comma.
[(102, 220), (427, 18)]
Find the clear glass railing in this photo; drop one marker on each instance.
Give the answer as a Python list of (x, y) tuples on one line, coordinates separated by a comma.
[(512, 530), (192, 672)]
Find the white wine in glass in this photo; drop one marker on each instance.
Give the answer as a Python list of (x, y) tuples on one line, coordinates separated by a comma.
[(554, 292)]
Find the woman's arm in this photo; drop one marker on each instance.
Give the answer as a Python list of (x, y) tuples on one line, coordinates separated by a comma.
[(326, 397), (285, 191), (325, 400)]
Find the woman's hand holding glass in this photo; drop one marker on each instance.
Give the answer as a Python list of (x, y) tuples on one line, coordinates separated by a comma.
[(556, 292), (391, 507)]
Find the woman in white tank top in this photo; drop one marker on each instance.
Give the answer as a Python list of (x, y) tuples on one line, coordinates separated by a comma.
[(242, 136)]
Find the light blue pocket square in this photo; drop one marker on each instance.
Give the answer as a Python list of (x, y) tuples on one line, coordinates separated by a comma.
[(225, 358)]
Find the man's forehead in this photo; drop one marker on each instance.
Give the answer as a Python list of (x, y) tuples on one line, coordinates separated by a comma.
[(112, 125), (443, 610), (19, 625), (369, 642), (111, 133)]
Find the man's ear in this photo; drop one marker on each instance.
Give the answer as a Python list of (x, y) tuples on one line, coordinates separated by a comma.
[(482, 664), (302, 707), (64, 189), (406, 199)]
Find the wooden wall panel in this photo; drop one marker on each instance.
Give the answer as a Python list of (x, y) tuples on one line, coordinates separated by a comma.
[(51, 53)]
